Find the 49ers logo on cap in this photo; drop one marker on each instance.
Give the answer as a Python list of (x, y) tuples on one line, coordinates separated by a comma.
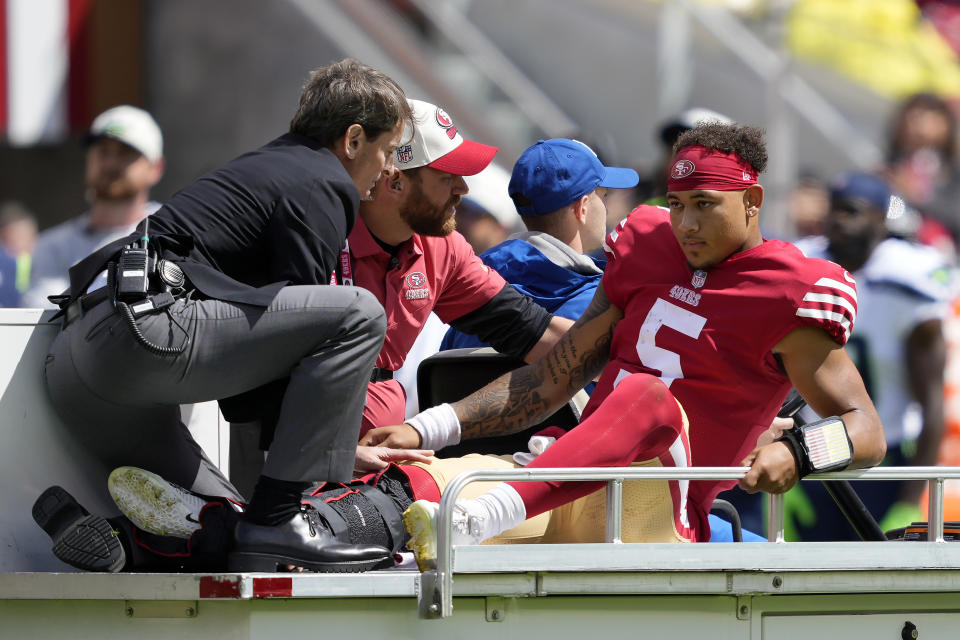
[(445, 122), (681, 169)]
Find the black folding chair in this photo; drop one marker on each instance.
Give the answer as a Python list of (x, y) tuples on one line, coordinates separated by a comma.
[(452, 375)]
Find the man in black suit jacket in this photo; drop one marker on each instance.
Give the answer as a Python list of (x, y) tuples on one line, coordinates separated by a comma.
[(256, 242)]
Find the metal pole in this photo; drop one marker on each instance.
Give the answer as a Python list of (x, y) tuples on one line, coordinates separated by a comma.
[(782, 169), (775, 522), (854, 510), (674, 59), (615, 511), (935, 510)]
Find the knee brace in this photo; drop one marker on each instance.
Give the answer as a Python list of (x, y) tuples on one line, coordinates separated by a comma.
[(368, 512)]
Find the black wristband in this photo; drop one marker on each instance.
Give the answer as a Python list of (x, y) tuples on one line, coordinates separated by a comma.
[(820, 446), (792, 437)]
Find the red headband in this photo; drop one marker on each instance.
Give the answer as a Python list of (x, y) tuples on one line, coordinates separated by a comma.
[(697, 167)]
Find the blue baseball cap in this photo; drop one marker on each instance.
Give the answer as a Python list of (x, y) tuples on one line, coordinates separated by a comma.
[(553, 173), (863, 186)]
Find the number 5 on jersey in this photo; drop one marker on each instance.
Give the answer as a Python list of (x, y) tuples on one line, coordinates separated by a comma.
[(662, 314)]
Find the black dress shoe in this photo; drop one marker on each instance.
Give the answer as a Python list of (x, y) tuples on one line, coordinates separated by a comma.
[(81, 540), (303, 541)]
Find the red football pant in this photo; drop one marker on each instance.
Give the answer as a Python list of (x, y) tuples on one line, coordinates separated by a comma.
[(638, 421)]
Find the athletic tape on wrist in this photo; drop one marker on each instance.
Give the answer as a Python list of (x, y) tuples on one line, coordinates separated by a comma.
[(438, 427)]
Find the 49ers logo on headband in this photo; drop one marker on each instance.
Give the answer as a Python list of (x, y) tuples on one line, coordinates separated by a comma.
[(699, 167), (444, 121), (681, 169)]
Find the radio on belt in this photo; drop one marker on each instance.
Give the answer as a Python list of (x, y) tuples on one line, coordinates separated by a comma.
[(133, 273)]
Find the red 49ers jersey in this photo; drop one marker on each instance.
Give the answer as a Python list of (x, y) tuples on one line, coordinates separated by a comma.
[(708, 334)]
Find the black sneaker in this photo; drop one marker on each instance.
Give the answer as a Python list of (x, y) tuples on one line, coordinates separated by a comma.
[(81, 540)]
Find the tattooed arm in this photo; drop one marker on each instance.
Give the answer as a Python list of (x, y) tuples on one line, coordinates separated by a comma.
[(523, 397), (555, 330)]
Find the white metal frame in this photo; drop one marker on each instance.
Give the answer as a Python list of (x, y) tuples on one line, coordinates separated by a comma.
[(436, 594)]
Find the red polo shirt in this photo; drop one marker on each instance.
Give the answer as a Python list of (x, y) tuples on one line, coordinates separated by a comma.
[(442, 275)]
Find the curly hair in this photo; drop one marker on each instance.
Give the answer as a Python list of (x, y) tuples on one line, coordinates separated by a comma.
[(745, 141)]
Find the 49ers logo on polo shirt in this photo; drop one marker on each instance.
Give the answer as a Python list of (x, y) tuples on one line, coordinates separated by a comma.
[(445, 122), (681, 169), (417, 283)]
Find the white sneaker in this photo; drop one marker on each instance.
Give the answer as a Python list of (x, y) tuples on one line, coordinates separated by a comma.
[(153, 504), (420, 520)]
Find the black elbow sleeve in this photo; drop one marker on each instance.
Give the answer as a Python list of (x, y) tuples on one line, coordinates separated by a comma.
[(510, 322)]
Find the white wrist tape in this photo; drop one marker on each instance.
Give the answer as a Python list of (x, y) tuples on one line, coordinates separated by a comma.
[(438, 427)]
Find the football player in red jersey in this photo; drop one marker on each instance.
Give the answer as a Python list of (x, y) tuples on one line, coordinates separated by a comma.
[(696, 310)]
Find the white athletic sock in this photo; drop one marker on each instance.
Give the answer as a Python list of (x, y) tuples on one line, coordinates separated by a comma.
[(502, 508)]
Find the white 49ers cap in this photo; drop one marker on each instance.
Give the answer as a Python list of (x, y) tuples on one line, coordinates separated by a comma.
[(436, 143)]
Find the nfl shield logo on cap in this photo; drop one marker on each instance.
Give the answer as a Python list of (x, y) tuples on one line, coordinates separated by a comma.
[(404, 154)]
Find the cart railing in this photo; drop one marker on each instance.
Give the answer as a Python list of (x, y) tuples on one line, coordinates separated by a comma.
[(436, 595)]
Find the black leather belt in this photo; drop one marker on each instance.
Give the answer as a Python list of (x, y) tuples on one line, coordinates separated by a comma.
[(379, 375), (84, 303)]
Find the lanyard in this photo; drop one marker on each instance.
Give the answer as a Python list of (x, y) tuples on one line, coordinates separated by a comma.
[(346, 269)]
